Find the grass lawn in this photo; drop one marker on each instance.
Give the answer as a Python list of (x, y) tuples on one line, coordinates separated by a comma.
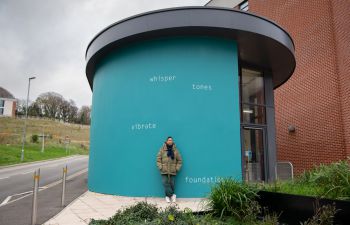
[(11, 131), (324, 181), (11, 154), (295, 188)]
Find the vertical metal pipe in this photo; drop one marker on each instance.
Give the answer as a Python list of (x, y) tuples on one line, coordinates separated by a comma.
[(35, 195), (25, 124), (64, 185), (43, 142)]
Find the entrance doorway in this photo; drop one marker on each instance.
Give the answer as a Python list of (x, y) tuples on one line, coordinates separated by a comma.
[(253, 154)]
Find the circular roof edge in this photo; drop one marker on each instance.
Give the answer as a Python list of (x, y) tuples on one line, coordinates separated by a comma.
[(261, 42)]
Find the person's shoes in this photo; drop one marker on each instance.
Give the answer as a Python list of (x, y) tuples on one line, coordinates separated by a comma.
[(173, 198), (167, 199)]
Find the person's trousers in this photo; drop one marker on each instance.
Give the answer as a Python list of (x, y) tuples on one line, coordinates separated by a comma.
[(169, 184)]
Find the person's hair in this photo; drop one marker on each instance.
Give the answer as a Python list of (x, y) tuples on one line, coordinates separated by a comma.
[(169, 137)]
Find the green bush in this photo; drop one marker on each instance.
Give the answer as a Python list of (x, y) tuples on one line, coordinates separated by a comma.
[(35, 138), (233, 198), (323, 181), (141, 212), (293, 187), (147, 214), (333, 180)]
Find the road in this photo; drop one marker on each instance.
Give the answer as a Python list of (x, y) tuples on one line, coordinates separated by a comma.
[(49, 202), (17, 181)]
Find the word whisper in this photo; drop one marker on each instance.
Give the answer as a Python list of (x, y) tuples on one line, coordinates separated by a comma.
[(203, 179), (143, 126), (162, 78)]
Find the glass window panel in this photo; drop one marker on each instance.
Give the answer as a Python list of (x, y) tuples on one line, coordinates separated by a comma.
[(253, 114), (252, 87), (254, 163), (244, 6)]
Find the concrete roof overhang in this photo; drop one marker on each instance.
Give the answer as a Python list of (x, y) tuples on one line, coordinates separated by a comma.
[(261, 42)]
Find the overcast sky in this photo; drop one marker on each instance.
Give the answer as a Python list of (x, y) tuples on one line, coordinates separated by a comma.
[(48, 39)]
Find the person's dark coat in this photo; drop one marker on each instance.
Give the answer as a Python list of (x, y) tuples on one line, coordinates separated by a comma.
[(166, 164)]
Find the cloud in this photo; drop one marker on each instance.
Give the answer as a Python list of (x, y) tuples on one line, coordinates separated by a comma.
[(48, 39)]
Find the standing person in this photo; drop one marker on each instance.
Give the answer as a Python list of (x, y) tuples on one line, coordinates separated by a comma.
[(169, 162)]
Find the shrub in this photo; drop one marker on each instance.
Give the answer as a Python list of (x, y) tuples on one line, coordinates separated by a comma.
[(140, 212), (332, 179), (293, 187), (35, 138), (323, 181), (147, 214), (233, 198), (324, 215), (172, 215)]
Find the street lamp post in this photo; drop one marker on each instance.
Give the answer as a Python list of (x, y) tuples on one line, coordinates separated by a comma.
[(25, 121)]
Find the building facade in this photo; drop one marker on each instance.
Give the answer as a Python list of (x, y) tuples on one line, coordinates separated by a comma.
[(206, 82), (313, 107), (8, 103)]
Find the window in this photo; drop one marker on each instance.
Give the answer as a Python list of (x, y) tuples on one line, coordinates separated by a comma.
[(253, 114), (244, 6), (254, 154), (252, 97), (2, 107), (252, 87)]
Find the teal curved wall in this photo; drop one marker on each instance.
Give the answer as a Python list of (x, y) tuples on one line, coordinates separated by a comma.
[(185, 87)]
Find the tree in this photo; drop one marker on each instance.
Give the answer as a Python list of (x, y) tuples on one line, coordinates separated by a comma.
[(50, 104), (64, 110), (68, 111), (21, 107), (84, 115), (73, 112), (34, 110)]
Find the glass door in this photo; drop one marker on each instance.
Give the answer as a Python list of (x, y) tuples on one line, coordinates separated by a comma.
[(253, 153)]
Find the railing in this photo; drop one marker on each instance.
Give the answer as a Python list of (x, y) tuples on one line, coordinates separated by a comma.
[(284, 170)]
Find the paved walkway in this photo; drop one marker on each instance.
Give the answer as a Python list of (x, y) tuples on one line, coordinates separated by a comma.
[(92, 205)]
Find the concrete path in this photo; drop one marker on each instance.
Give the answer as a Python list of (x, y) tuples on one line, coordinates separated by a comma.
[(100, 206)]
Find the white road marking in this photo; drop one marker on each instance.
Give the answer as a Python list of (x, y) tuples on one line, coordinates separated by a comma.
[(43, 164), (51, 166), (6, 200), (22, 193), (27, 172), (47, 165), (28, 193)]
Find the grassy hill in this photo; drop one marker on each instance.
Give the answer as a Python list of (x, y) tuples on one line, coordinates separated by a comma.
[(11, 131)]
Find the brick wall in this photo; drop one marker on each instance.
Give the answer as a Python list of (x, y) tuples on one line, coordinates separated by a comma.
[(316, 98), (341, 24)]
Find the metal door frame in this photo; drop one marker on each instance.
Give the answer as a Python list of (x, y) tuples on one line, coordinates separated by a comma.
[(264, 131)]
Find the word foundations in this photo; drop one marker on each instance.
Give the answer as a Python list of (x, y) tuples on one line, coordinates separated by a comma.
[(203, 180)]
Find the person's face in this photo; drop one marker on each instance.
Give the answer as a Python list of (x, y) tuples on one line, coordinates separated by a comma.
[(169, 141)]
